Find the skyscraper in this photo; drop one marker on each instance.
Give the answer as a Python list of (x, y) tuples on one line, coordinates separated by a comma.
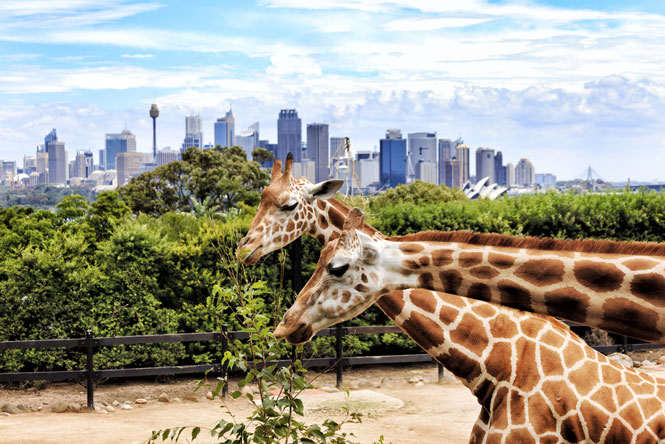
[(125, 142), (392, 154), (272, 147), (248, 139), (317, 149), (128, 165), (462, 154), (453, 173), (225, 130), (445, 153), (289, 135), (80, 166), (193, 134), (57, 162), (50, 137), (525, 173), (510, 174), (485, 164), (499, 169), (422, 148)]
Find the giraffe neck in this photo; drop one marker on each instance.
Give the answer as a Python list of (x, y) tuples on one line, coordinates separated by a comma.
[(620, 293), (327, 220)]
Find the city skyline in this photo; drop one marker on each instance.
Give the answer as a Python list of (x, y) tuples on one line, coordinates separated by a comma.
[(566, 84)]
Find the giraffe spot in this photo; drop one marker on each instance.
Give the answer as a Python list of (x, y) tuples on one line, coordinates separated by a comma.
[(560, 396), (552, 339), (631, 413), (650, 287), (619, 432), (543, 422), (392, 304), (297, 217), (323, 222), (410, 248), (480, 292), (584, 378), (541, 272), (639, 264), (423, 330), (468, 259), (501, 260), (550, 361), (526, 372), (471, 334), (484, 310), (424, 300), (623, 394), (321, 239), (424, 261), (346, 296), (426, 280), (411, 264), (572, 354), (334, 236), (500, 414), (603, 396), (460, 364), (567, 303), (496, 363), (448, 315), (259, 229), (521, 436), (484, 272), (290, 226), (503, 327), (451, 280), (452, 299), (621, 315), (321, 204), (531, 326), (442, 257), (363, 277), (336, 218), (609, 374), (598, 276), (514, 295), (518, 416), (361, 288), (573, 431)]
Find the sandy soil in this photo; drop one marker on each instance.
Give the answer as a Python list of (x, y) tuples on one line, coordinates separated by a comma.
[(432, 413)]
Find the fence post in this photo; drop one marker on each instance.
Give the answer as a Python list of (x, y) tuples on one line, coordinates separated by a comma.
[(338, 353), (225, 365), (440, 368), (89, 370)]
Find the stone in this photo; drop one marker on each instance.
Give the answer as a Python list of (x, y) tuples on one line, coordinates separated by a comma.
[(59, 407), (210, 395), (109, 408), (5, 414), (125, 407), (648, 362), (177, 400), (115, 403), (661, 360), (22, 408), (141, 401), (74, 407), (104, 403), (163, 398), (10, 408), (420, 384), (39, 409), (622, 359), (328, 389), (414, 380), (102, 411), (192, 398), (363, 383)]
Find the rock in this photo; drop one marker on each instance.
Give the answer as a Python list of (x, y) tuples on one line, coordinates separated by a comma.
[(163, 398), (125, 407), (661, 360), (115, 403), (74, 407), (141, 401), (102, 411), (192, 398), (648, 362), (622, 359), (10, 408), (414, 380), (22, 408), (210, 395), (363, 383), (177, 400), (104, 403), (39, 409), (109, 408), (5, 414), (420, 384), (328, 389), (59, 407)]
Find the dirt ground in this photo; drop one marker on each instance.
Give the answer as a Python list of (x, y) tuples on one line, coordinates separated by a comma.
[(432, 413)]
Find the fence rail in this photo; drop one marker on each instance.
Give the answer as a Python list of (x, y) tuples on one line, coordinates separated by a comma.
[(90, 343)]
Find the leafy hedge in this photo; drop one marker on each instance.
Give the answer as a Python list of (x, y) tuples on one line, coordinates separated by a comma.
[(95, 266)]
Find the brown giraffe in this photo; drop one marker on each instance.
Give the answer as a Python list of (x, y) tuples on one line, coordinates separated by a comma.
[(291, 207), (536, 381), (609, 285)]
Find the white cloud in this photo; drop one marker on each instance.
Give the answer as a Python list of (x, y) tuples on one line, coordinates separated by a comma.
[(137, 56), (430, 24), (287, 64)]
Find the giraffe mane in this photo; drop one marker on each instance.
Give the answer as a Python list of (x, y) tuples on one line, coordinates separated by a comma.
[(502, 240)]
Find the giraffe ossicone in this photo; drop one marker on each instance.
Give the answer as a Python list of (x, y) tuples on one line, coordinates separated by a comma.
[(619, 287)]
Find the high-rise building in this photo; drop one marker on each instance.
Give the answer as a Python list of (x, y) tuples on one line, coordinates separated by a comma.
[(50, 137), (427, 172), (392, 157), (79, 168), (89, 163), (485, 164), (446, 152), (317, 149), (499, 169), (165, 156), (422, 148), (57, 162), (289, 135), (510, 174), (462, 154), (225, 130), (337, 147), (368, 167), (29, 164), (9, 171), (102, 159), (525, 173), (453, 173), (248, 139), (272, 147), (41, 161), (125, 142), (128, 165), (193, 133)]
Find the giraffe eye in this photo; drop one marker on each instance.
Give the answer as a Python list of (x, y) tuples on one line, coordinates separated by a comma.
[(338, 271), (289, 207)]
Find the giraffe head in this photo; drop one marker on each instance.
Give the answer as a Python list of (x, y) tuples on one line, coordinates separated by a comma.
[(286, 211), (342, 286)]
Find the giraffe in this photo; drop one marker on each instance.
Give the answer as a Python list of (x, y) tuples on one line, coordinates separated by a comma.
[(596, 283), (289, 208), (535, 380)]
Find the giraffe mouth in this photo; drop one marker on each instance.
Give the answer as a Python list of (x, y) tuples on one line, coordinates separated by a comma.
[(298, 336), (252, 257)]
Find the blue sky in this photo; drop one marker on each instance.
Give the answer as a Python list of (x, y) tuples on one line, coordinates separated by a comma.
[(566, 83)]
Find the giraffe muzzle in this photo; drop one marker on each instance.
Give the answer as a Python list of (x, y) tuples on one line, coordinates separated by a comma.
[(248, 258), (301, 334)]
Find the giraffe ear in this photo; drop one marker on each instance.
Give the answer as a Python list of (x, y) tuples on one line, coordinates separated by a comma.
[(276, 172), (369, 251), (323, 190)]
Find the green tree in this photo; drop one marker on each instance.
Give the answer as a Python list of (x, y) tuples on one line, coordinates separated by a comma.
[(262, 155), (105, 212)]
